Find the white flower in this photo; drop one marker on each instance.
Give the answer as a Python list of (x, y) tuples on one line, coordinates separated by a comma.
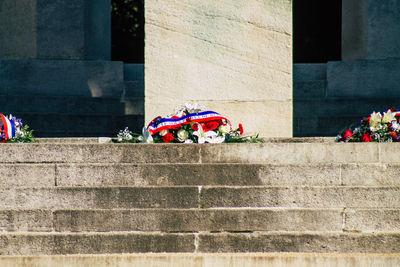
[(124, 135), (216, 139), (395, 126), (189, 141), (163, 132), (183, 135), (224, 129), (204, 137), (388, 117), (146, 136), (376, 119)]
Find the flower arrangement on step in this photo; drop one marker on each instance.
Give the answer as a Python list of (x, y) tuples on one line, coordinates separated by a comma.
[(191, 124), (375, 128), (12, 130)]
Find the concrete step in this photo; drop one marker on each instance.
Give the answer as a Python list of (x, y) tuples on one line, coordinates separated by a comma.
[(204, 197), (71, 105), (207, 260), (284, 152), (100, 243), (134, 89), (195, 220), (198, 220), (305, 197), (100, 197), (308, 90), (127, 174), (309, 72)]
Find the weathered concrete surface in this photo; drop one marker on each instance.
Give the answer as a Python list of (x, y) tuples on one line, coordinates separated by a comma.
[(195, 220), (236, 58), (372, 220), (262, 153), (196, 174), (128, 174), (300, 242), (208, 260), (310, 197), (42, 29), (99, 198), (61, 77), (93, 243)]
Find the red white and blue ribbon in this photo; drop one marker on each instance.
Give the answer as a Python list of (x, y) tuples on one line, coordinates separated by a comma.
[(8, 127), (159, 124)]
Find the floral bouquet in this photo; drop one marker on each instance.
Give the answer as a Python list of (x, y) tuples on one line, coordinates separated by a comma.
[(191, 124), (375, 128), (12, 130)]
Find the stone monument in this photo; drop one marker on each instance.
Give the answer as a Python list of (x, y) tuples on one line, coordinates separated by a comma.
[(235, 57)]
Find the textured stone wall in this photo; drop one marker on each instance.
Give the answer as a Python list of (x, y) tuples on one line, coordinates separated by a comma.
[(370, 29), (233, 56), (55, 29)]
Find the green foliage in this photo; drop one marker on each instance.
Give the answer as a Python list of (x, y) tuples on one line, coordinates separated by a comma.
[(26, 136)]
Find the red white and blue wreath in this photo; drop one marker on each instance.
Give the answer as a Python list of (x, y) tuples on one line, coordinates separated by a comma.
[(191, 124)]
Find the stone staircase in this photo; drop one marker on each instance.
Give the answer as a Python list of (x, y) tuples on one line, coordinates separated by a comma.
[(87, 196)]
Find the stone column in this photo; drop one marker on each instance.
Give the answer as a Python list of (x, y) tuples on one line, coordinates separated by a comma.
[(370, 29), (55, 29), (57, 47), (235, 57)]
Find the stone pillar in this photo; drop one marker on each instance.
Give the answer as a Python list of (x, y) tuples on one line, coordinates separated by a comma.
[(55, 29), (370, 29), (58, 47), (235, 57)]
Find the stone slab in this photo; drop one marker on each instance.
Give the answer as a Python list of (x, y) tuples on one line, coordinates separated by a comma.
[(382, 38), (26, 221), (292, 153), (370, 174), (309, 72), (99, 198), (93, 243), (97, 153), (18, 29), (303, 197), (300, 242), (372, 220), (364, 79), (34, 175), (172, 220), (272, 152), (61, 78), (196, 174), (42, 29), (193, 54), (207, 260)]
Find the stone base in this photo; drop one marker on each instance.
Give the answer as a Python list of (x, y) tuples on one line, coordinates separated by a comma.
[(61, 78)]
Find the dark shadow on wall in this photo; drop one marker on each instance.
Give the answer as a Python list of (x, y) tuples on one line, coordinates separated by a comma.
[(317, 30), (127, 31)]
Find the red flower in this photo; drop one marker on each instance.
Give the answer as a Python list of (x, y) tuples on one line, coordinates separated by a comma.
[(366, 137), (195, 127), (347, 134), (394, 135), (241, 128), (392, 109), (211, 125), (168, 138)]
